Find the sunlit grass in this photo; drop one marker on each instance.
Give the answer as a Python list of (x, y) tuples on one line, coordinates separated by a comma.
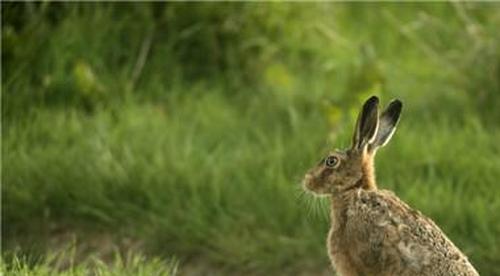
[(57, 265)]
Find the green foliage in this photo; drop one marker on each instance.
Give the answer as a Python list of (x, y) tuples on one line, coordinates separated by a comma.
[(188, 126)]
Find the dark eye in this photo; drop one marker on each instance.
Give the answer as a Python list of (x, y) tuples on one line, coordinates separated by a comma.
[(331, 161)]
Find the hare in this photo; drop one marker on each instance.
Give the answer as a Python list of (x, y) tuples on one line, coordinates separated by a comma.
[(373, 232)]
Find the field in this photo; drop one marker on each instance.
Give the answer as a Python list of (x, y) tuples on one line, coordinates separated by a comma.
[(171, 138)]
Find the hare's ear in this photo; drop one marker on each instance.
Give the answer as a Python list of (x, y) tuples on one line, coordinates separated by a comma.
[(387, 124), (366, 125)]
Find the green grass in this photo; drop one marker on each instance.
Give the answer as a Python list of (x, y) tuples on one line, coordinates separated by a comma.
[(56, 265), (202, 159), (201, 176)]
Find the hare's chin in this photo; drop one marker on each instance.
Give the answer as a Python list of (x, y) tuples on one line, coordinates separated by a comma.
[(320, 194)]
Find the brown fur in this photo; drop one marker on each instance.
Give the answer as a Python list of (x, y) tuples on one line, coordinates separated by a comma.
[(373, 232), (368, 172)]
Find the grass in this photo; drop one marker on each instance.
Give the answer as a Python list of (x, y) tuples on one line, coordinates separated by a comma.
[(204, 162), (203, 177), (54, 265)]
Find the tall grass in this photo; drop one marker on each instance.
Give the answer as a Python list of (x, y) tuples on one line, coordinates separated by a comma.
[(201, 176)]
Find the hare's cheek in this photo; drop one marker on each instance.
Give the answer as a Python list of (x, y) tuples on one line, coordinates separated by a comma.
[(328, 177), (326, 174)]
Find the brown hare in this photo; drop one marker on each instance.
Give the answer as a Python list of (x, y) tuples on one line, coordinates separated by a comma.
[(373, 232)]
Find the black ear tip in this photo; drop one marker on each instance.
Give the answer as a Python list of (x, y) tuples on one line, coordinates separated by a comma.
[(373, 100), (394, 109), (398, 105)]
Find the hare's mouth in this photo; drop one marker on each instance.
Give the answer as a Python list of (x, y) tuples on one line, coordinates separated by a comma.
[(310, 184)]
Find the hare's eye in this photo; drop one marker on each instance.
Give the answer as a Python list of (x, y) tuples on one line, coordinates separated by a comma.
[(331, 161)]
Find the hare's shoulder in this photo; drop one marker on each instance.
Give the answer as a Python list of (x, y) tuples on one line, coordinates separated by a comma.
[(392, 230), (382, 210)]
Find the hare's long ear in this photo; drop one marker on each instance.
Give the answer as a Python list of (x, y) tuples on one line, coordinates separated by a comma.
[(387, 124), (366, 125)]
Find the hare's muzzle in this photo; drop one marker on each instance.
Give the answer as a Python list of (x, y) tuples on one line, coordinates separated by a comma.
[(308, 182)]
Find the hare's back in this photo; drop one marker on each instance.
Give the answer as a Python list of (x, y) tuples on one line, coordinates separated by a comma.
[(390, 238)]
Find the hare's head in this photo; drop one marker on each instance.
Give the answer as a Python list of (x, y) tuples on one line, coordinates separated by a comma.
[(342, 170)]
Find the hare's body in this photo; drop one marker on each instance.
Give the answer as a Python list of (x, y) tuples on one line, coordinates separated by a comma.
[(373, 232)]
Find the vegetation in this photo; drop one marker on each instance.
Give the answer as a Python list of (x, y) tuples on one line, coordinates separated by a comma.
[(186, 128), (55, 265)]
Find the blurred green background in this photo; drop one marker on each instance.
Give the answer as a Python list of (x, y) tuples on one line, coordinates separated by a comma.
[(172, 137)]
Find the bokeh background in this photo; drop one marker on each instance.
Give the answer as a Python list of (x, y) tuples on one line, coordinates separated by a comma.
[(151, 138)]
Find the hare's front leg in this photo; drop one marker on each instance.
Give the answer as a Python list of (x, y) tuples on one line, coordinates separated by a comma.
[(339, 257)]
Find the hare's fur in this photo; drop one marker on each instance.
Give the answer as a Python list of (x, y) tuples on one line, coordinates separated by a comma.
[(373, 232)]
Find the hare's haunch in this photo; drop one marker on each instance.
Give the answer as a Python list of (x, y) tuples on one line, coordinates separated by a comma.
[(373, 232)]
